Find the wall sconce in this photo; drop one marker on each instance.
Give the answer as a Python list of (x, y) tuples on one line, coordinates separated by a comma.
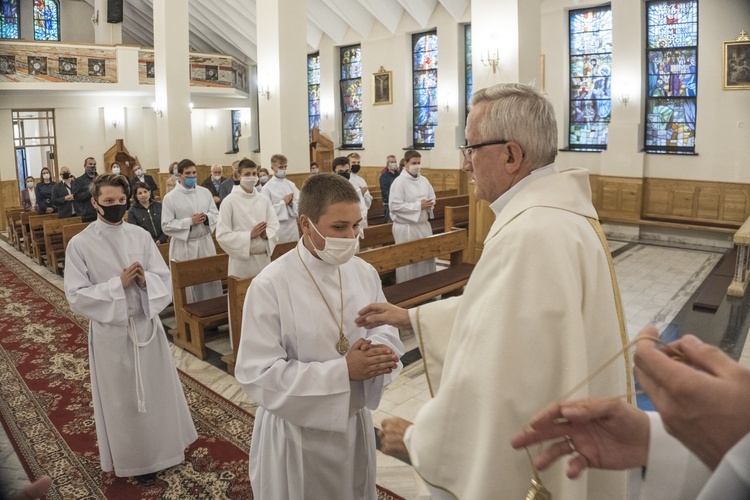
[(263, 91), (95, 18), (210, 124), (624, 98), (245, 117), (491, 60), (157, 109), (445, 100), (115, 122)]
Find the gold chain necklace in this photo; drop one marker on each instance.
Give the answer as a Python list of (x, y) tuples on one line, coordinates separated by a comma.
[(342, 346)]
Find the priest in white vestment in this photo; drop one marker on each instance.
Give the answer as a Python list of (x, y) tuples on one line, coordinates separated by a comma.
[(365, 197), (538, 314), (143, 424), (314, 373), (410, 205), (189, 215), (284, 196)]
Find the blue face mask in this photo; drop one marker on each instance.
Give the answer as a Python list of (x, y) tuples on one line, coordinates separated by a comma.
[(190, 182)]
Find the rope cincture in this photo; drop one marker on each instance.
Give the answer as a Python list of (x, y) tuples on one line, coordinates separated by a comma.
[(140, 392)]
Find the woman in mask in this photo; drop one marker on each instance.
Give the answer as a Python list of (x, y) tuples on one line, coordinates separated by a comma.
[(43, 191), (262, 178), (173, 179), (146, 213), (28, 196)]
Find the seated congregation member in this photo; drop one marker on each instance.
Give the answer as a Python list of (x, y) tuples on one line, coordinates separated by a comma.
[(410, 203), (62, 195), (247, 228), (28, 196), (387, 176), (146, 213), (314, 373), (43, 190), (115, 277), (228, 185), (284, 196), (213, 183), (139, 175), (365, 202), (189, 216)]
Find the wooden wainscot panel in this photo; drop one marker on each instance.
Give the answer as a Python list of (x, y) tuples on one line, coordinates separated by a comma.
[(709, 203), (10, 196), (617, 198), (735, 207)]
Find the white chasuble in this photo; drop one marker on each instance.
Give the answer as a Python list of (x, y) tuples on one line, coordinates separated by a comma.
[(365, 199), (537, 317), (313, 434), (191, 241), (143, 424), (410, 221), (276, 189)]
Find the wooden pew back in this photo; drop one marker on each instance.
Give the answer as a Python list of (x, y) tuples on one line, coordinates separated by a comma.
[(376, 236), (53, 240), (457, 216), (390, 257), (69, 231), (237, 288), (36, 229), (281, 249)]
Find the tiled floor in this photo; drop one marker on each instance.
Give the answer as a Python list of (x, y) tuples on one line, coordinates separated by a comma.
[(655, 283)]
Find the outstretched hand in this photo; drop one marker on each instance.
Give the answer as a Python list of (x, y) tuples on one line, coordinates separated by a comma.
[(379, 314)]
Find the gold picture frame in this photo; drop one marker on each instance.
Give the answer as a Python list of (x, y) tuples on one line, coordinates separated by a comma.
[(382, 87), (737, 65)]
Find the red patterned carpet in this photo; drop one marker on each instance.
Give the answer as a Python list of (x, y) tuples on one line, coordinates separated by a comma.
[(46, 407)]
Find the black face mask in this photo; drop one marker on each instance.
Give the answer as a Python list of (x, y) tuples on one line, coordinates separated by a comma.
[(91, 171), (345, 174), (113, 213), (66, 175), (355, 168)]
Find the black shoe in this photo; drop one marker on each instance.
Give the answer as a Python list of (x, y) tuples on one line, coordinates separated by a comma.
[(146, 479)]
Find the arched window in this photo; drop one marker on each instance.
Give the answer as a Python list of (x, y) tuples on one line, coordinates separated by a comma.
[(424, 71), (590, 78), (313, 90), (351, 96), (47, 20), (468, 77), (9, 21), (672, 76)]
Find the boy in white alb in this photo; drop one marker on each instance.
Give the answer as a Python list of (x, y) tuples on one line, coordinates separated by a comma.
[(314, 373), (284, 196)]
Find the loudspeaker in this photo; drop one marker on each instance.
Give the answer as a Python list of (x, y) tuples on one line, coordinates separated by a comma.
[(114, 11)]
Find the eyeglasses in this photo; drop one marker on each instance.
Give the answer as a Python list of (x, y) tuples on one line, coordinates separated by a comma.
[(468, 150)]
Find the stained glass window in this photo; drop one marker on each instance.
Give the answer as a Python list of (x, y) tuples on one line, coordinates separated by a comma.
[(468, 78), (590, 78), (351, 96), (313, 90), (47, 20), (672, 77), (424, 72), (9, 21)]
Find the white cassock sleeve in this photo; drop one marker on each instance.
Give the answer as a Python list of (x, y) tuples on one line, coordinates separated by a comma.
[(235, 242), (170, 224), (279, 206), (307, 394), (295, 200), (431, 196), (399, 204), (103, 303), (213, 212), (158, 292), (272, 228)]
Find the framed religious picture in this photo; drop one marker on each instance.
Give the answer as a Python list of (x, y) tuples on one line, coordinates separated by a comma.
[(737, 65), (382, 87)]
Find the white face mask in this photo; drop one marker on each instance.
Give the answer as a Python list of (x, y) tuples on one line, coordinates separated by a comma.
[(116, 170), (216, 178), (249, 183), (280, 173), (337, 251), (414, 169), (138, 172), (46, 177), (263, 179), (393, 166)]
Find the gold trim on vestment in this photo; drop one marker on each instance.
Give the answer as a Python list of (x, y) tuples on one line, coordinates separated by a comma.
[(424, 353)]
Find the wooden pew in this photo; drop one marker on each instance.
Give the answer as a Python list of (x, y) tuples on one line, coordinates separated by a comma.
[(377, 236), (53, 241), (457, 217), (237, 288), (71, 230), (281, 249), (193, 318), (164, 251), (376, 212), (36, 230), (438, 222), (14, 227), (26, 236), (418, 290), (8, 220)]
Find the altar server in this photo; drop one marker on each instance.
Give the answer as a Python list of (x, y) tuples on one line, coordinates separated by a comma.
[(284, 196), (189, 216), (365, 198), (314, 373), (410, 205), (115, 277)]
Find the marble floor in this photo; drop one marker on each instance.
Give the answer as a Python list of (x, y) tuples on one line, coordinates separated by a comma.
[(655, 281)]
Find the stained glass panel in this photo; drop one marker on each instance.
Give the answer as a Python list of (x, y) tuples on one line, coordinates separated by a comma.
[(672, 79), (590, 78), (351, 95), (47, 20), (424, 85), (313, 91), (469, 78), (9, 20)]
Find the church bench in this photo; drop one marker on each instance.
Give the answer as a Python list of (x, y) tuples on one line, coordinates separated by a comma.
[(415, 291), (282, 248), (53, 241), (193, 318), (237, 288), (36, 231), (14, 226), (71, 230), (376, 212), (164, 251), (438, 222), (25, 235), (377, 236), (8, 222), (457, 216)]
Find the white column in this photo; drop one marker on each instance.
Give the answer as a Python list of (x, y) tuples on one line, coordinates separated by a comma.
[(511, 29), (104, 32), (282, 71), (172, 90)]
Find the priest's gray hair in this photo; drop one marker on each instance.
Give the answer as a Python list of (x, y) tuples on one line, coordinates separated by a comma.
[(522, 114), (114, 180), (321, 191)]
